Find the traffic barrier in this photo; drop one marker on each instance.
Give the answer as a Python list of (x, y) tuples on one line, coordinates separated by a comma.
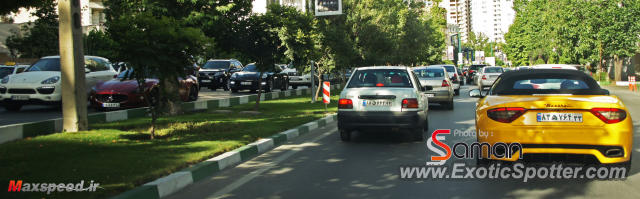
[(31, 129), (632, 83)]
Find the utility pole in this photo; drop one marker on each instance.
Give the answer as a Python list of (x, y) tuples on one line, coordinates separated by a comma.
[(74, 93)]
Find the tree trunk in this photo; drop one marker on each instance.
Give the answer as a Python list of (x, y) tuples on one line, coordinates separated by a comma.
[(618, 64), (257, 106), (319, 87)]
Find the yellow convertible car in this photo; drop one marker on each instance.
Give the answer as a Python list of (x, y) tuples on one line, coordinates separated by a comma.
[(553, 113)]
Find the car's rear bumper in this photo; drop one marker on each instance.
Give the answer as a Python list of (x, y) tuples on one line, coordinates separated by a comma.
[(350, 120), (558, 140)]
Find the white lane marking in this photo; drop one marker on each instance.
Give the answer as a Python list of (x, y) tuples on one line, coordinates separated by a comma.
[(244, 179)]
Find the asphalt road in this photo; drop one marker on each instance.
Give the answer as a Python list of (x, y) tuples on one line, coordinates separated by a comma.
[(33, 113), (319, 165)]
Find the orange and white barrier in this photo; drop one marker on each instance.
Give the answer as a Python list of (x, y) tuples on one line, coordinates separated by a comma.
[(632, 83)]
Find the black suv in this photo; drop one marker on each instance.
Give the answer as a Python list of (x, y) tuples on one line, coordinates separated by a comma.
[(215, 73)]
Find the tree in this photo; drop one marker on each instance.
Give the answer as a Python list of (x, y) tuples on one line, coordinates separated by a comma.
[(8, 6), (39, 38), (99, 43), (155, 46)]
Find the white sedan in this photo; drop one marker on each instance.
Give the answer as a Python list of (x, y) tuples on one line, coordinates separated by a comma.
[(40, 83)]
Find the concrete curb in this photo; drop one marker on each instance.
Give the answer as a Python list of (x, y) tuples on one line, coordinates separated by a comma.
[(176, 181), (31, 129)]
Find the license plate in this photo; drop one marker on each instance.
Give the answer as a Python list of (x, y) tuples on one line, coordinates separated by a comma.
[(376, 102), (246, 83), (431, 95), (559, 117), (206, 81), (110, 105), (20, 97)]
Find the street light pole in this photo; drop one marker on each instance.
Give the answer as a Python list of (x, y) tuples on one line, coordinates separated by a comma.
[(74, 93)]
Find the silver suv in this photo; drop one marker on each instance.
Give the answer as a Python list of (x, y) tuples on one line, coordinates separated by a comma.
[(379, 97)]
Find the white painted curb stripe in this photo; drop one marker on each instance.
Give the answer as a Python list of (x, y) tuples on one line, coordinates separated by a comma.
[(227, 159), (200, 105), (10, 133), (172, 183), (261, 97), (328, 119), (223, 102), (116, 115), (312, 125), (291, 133), (274, 95), (57, 125), (299, 92), (244, 99), (263, 145), (287, 93)]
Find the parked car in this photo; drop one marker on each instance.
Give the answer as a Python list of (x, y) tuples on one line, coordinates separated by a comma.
[(247, 79), (383, 97), (568, 116), (452, 72), (215, 73), (40, 83), (488, 75), (471, 73), (124, 91), (11, 70), (438, 79)]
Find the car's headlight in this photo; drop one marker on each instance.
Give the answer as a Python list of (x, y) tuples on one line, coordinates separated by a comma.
[(5, 80), (232, 82), (51, 80), (263, 83)]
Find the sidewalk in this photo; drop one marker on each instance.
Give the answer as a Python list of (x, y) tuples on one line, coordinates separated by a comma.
[(622, 89)]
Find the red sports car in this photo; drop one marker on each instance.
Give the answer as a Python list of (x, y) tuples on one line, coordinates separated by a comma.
[(122, 92)]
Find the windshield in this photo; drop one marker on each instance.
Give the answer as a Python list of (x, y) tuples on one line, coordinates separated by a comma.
[(49, 64), (216, 65), (450, 69), (429, 73), (4, 71), (380, 78), (493, 70), (250, 68)]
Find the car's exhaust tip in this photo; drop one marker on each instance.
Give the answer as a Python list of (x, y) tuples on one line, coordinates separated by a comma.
[(615, 152)]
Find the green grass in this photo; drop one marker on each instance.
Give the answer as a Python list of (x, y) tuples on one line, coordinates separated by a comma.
[(120, 156)]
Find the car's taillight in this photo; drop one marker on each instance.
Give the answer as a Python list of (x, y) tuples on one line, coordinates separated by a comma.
[(505, 115), (471, 71), (410, 103), (445, 83), (484, 77), (345, 104), (609, 115)]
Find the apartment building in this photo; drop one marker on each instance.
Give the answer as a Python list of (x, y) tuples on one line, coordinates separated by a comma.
[(492, 18)]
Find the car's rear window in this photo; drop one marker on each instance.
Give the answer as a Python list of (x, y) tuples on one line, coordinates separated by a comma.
[(493, 70), (451, 69), (429, 73), (532, 84), (380, 78)]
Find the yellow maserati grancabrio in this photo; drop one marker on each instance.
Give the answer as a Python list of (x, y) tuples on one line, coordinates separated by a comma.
[(553, 114)]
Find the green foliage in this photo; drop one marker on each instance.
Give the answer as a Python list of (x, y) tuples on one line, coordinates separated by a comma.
[(99, 43), (572, 31), (39, 38)]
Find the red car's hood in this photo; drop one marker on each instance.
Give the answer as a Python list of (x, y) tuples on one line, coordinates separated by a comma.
[(119, 86)]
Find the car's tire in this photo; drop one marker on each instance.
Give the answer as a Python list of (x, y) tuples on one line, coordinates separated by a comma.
[(269, 87), (294, 87), (284, 87), (234, 90), (448, 105), (13, 107), (193, 94), (417, 133), (226, 86), (345, 135), (457, 92), (212, 88)]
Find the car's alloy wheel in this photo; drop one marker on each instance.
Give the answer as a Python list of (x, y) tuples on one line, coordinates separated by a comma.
[(226, 86)]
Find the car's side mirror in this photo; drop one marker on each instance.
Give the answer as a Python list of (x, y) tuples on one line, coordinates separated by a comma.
[(427, 88), (476, 93)]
